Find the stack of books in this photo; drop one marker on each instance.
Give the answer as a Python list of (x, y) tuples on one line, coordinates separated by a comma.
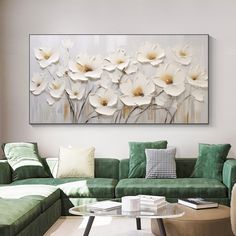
[(151, 203)]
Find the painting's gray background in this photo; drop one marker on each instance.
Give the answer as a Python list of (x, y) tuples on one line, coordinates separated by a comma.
[(41, 112), (19, 18)]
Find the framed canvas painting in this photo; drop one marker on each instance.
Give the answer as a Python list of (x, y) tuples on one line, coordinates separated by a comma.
[(119, 79)]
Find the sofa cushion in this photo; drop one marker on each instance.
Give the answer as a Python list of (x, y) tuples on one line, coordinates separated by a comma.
[(78, 187), (47, 195), (172, 188), (137, 162), (16, 214), (24, 161), (211, 160)]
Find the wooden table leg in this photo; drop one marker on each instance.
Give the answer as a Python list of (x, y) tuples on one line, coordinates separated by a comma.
[(89, 225), (161, 227), (138, 223)]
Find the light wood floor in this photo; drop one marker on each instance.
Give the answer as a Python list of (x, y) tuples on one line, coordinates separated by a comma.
[(102, 226)]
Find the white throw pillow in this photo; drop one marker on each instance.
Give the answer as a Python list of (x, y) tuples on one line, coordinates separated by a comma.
[(76, 162)]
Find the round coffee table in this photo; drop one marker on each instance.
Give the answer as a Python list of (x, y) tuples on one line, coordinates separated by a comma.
[(167, 211), (215, 221)]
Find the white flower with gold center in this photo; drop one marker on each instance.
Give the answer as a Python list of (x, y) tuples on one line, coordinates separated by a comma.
[(104, 102), (76, 92), (38, 84), (85, 67), (182, 54), (56, 88), (46, 56), (118, 60), (138, 91), (151, 53), (171, 79), (197, 77)]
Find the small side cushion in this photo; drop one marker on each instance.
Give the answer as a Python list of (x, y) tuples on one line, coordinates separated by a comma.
[(172, 188), (16, 214)]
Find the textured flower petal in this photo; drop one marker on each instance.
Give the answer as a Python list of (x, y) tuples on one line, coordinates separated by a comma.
[(54, 58), (132, 68), (107, 111), (111, 96), (174, 90), (94, 100), (32, 86), (38, 54), (122, 66), (73, 66), (149, 88), (38, 90), (77, 76), (135, 101), (57, 93), (96, 74), (44, 63), (115, 76), (126, 87), (159, 82), (51, 101), (156, 62), (127, 100), (198, 95), (109, 67), (198, 83)]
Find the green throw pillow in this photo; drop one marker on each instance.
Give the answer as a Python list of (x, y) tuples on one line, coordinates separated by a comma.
[(137, 161), (210, 161), (24, 161)]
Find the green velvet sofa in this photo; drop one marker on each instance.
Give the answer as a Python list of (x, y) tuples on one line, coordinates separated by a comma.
[(31, 206)]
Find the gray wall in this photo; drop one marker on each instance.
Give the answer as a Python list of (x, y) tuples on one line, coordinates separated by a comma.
[(19, 18)]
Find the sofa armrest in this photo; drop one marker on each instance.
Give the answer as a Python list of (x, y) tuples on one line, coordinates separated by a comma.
[(229, 174), (5, 172)]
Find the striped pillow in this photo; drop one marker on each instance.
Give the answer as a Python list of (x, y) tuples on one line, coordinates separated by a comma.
[(24, 161), (160, 163)]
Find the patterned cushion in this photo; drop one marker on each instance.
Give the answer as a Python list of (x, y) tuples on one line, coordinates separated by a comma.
[(160, 163), (24, 160)]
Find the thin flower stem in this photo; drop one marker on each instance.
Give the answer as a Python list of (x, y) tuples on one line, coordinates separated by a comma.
[(173, 116)]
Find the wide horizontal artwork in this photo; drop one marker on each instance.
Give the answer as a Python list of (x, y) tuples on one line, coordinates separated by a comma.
[(135, 79)]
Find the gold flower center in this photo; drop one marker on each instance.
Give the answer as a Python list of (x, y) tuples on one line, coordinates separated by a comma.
[(183, 53), (120, 61), (194, 77), (138, 92), (38, 84), (168, 79), (47, 55), (84, 68), (76, 93), (104, 102), (56, 86), (151, 55)]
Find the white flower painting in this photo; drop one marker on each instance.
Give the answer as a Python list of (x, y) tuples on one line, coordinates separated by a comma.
[(119, 79)]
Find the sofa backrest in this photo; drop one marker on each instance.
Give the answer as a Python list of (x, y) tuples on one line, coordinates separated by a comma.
[(184, 167), (104, 167)]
